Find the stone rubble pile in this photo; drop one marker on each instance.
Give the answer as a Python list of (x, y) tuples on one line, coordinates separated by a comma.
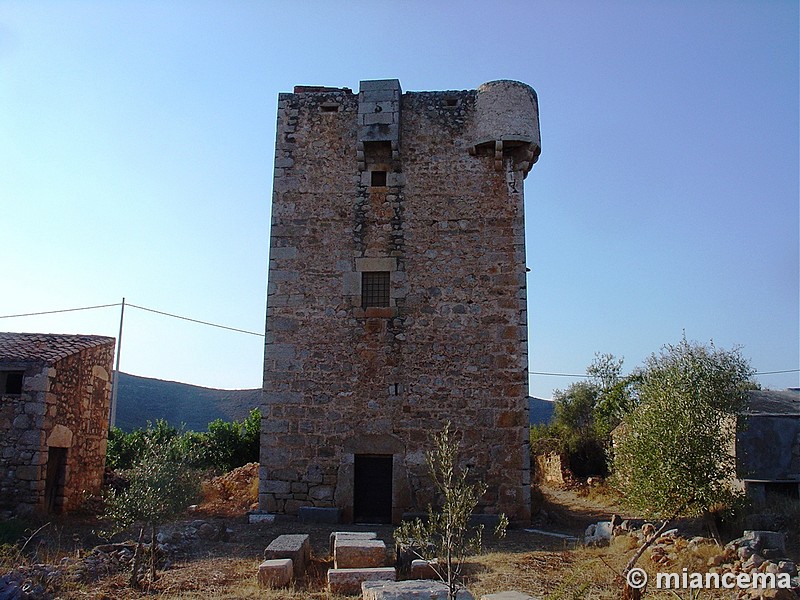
[(755, 551)]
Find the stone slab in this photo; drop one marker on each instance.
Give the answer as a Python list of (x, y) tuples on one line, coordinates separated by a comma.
[(275, 573), (348, 581), (354, 553), (508, 596), (356, 535), (409, 590), (294, 546), (317, 514), (259, 517), (422, 569), (490, 522)]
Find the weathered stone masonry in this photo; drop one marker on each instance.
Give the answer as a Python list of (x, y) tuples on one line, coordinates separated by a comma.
[(422, 192), (54, 401)]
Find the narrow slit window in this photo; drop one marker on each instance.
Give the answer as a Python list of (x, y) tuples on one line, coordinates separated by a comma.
[(374, 289), (378, 179)]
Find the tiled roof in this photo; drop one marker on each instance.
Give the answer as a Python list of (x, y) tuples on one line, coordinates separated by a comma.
[(773, 403), (46, 347)]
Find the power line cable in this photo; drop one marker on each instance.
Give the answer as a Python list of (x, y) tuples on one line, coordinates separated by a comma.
[(575, 375), (174, 316), (166, 314), (66, 310), (63, 310), (556, 374)]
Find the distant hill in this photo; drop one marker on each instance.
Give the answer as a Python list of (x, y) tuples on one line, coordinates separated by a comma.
[(540, 411), (143, 399)]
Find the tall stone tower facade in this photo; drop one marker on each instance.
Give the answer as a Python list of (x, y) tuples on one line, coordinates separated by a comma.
[(397, 297)]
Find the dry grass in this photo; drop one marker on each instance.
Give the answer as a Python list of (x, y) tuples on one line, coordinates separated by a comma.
[(542, 566), (578, 573)]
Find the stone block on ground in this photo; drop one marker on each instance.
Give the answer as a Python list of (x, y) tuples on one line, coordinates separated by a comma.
[(350, 553), (356, 535), (415, 589), (490, 522), (348, 581), (277, 572), (423, 569), (260, 517), (317, 514), (513, 595), (294, 546)]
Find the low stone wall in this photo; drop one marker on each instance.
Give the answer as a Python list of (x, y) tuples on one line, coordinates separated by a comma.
[(550, 468)]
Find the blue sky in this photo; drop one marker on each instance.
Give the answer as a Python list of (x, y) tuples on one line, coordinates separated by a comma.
[(136, 148)]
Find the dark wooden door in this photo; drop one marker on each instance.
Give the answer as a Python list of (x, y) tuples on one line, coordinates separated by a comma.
[(372, 488), (56, 477)]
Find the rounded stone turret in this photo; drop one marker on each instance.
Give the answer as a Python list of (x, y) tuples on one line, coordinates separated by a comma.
[(507, 117)]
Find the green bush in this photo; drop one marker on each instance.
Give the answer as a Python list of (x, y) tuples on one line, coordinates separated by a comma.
[(225, 446)]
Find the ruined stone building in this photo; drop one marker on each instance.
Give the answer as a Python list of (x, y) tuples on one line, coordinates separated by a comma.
[(55, 392), (768, 445), (397, 297)]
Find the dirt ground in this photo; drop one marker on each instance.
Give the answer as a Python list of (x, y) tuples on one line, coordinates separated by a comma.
[(541, 565)]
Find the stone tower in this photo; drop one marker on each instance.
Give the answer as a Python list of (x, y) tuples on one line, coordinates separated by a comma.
[(397, 298)]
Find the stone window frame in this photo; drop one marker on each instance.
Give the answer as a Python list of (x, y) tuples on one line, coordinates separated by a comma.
[(352, 284)]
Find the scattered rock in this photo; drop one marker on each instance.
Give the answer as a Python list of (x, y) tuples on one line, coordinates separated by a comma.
[(598, 534), (716, 561)]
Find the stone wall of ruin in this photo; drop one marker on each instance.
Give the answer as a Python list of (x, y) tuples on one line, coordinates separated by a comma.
[(64, 404)]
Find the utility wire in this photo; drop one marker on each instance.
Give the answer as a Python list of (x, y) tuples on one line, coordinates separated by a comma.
[(174, 316), (159, 312), (556, 374), (575, 375), (166, 314), (63, 310)]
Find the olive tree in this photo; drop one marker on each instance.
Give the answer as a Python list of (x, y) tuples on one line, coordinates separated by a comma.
[(445, 535), (161, 485), (673, 454)]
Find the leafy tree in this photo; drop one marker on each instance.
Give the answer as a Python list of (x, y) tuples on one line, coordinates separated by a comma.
[(223, 447), (446, 535), (585, 414), (162, 485), (615, 394), (672, 455)]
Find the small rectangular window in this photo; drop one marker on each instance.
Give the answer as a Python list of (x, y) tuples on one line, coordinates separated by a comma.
[(378, 179), (11, 382), (374, 289), (329, 108)]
